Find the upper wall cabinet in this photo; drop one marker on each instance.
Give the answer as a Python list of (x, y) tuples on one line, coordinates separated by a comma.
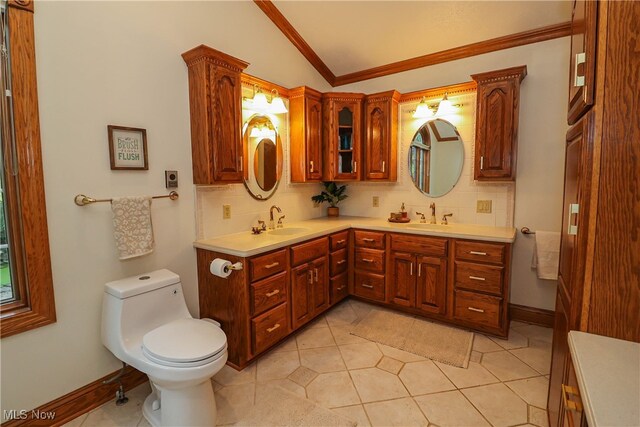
[(497, 123), (305, 109), (215, 100), (380, 141), (583, 58), (342, 136)]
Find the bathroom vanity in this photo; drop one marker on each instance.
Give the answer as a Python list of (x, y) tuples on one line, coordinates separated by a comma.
[(457, 274)]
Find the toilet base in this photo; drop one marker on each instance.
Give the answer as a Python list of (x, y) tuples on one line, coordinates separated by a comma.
[(192, 406)]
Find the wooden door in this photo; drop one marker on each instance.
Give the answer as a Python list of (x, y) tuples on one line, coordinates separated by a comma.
[(583, 58), (559, 355), (301, 285), (377, 141), (431, 284), (402, 283), (313, 140), (320, 286), (227, 123)]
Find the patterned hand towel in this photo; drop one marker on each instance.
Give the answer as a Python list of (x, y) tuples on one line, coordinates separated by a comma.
[(132, 227)]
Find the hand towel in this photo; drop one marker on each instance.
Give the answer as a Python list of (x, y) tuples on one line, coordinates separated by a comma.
[(546, 254), (132, 227)]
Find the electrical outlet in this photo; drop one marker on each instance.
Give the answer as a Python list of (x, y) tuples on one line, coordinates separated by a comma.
[(483, 206), (226, 211), (376, 202)]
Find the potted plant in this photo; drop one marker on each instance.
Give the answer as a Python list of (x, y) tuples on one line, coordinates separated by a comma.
[(333, 194)]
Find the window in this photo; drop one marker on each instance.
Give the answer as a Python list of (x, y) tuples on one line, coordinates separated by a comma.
[(26, 298)]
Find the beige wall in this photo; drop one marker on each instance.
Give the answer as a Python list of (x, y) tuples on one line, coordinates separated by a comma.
[(119, 63)]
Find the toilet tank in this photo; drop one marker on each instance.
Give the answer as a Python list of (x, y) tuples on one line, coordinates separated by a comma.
[(135, 305)]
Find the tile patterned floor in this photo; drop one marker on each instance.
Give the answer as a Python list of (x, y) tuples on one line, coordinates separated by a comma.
[(376, 385)]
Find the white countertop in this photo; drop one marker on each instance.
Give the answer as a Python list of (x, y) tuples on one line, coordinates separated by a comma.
[(608, 372), (246, 244)]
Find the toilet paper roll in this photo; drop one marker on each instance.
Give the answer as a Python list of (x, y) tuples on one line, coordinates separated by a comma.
[(220, 267)]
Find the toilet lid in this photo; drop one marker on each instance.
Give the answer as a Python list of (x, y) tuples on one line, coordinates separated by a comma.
[(184, 340)]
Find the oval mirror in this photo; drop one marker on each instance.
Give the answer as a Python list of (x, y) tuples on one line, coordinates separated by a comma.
[(262, 157), (436, 156)]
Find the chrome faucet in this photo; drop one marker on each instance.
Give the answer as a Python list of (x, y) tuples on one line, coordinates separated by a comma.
[(444, 218), (423, 220), (272, 224), (433, 214)]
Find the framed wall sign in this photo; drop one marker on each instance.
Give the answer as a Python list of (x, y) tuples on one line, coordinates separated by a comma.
[(127, 148)]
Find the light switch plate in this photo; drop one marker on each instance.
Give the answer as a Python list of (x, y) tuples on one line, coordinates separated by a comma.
[(226, 211), (376, 202), (484, 206)]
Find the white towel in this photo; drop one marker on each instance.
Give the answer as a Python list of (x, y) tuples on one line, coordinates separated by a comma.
[(132, 226), (546, 254)]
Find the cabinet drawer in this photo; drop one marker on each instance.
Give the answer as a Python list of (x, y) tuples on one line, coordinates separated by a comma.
[(480, 251), (419, 245), (269, 328), (476, 308), (268, 293), (338, 262), (369, 259), (309, 251), (479, 277), (369, 239), (339, 240), (369, 285), (339, 287), (266, 265)]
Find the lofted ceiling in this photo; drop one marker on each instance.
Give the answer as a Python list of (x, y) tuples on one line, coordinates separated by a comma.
[(351, 36)]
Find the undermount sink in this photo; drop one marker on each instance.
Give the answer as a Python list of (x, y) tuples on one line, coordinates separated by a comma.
[(434, 227), (288, 231)]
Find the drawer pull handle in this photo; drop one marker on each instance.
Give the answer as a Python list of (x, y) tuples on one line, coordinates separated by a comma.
[(570, 405), (270, 294), (368, 240), (364, 285), (482, 279), (342, 261), (477, 310), (341, 288), (269, 266), (341, 241), (367, 260), (310, 277), (478, 253), (411, 270), (276, 326), (315, 270)]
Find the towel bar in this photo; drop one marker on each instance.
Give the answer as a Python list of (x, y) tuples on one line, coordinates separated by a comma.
[(526, 230), (82, 200)]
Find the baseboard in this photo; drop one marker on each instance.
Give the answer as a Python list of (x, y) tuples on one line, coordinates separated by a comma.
[(80, 401), (537, 316)]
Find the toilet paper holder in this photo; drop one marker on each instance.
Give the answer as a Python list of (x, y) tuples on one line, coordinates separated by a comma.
[(234, 267)]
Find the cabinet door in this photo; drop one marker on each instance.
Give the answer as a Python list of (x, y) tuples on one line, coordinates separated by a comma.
[(313, 130), (379, 149), (494, 125), (343, 139), (301, 285), (320, 293), (431, 284), (402, 289), (227, 114), (582, 59), (559, 356)]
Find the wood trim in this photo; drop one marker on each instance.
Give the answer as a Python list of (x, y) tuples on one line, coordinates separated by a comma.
[(22, 4), (39, 309), (537, 316), (296, 39), (505, 42), (438, 92), (81, 401), (247, 81)]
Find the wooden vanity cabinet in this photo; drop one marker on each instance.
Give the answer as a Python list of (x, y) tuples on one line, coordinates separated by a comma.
[(497, 114), (215, 101), (342, 136), (309, 280), (305, 115), (369, 265), (381, 136), (418, 273)]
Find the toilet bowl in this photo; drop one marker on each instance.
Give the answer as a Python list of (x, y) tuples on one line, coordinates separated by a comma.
[(146, 324)]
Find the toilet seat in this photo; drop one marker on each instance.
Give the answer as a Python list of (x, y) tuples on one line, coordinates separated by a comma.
[(184, 343)]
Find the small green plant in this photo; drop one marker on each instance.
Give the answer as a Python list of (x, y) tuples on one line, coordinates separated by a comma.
[(332, 194)]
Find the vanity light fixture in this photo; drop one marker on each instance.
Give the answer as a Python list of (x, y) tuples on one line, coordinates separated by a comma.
[(260, 101), (277, 105), (423, 110), (446, 107)]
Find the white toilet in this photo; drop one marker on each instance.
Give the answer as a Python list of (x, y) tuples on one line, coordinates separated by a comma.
[(146, 324)]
